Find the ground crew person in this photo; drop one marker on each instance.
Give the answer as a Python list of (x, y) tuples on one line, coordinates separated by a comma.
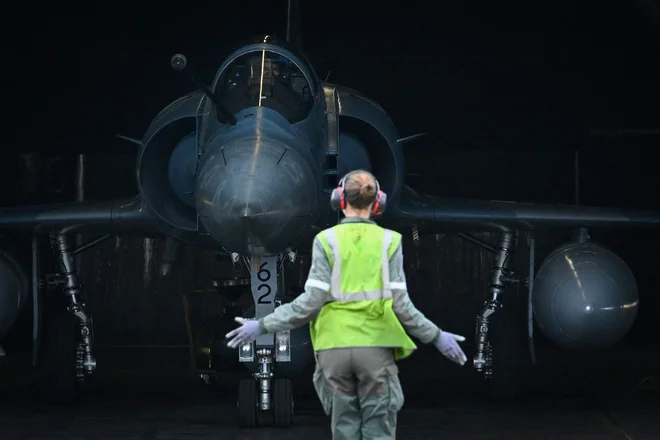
[(359, 311)]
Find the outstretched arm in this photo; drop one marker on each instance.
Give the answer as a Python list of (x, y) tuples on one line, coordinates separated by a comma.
[(306, 306), (413, 321)]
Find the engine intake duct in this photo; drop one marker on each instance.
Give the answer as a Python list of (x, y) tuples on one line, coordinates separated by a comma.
[(362, 146), (167, 163)]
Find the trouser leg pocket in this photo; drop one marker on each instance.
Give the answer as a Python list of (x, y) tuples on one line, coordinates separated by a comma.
[(321, 387), (396, 398)]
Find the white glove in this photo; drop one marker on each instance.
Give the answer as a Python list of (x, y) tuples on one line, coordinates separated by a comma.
[(247, 332), (447, 345)]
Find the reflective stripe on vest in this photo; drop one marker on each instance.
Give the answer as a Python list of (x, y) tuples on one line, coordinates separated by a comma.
[(335, 280), (360, 313)]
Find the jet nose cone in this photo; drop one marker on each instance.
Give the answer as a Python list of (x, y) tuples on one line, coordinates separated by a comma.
[(255, 196)]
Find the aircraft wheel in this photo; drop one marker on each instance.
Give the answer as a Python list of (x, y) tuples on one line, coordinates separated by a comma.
[(247, 403), (282, 403), (62, 335)]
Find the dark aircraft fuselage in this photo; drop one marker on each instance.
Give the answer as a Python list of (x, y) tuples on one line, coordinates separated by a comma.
[(256, 187)]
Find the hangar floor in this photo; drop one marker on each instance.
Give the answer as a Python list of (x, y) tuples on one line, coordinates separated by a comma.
[(128, 404)]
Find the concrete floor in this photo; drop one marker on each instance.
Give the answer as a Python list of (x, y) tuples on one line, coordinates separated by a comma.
[(197, 417), (442, 402), (152, 410)]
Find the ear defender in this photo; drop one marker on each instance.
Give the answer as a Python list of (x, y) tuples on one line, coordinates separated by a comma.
[(380, 203), (338, 199)]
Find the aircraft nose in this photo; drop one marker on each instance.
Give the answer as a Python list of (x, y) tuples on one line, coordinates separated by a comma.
[(256, 195)]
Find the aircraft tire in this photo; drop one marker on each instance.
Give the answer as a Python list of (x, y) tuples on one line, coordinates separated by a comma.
[(282, 403), (247, 403), (62, 383)]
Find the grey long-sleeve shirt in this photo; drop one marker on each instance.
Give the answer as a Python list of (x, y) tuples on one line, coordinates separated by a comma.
[(306, 306)]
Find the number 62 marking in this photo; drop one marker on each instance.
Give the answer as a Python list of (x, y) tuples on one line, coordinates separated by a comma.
[(264, 275)]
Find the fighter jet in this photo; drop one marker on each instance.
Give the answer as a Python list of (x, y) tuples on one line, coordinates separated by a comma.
[(245, 167)]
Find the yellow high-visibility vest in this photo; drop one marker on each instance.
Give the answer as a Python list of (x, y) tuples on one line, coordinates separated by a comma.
[(360, 312)]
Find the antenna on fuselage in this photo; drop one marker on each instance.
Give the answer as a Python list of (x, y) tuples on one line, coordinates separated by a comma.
[(293, 24)]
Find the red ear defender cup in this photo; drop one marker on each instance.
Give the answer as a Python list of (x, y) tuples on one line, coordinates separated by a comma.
[(337, 200), (379, 204)]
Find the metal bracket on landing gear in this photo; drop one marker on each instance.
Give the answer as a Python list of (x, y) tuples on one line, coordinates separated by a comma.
[(246, 352), (283, 346), (282, 342)]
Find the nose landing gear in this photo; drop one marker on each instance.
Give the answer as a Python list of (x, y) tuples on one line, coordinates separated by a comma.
[(264, 392)]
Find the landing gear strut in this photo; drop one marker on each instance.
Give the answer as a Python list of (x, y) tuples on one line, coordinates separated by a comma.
[(504, 338), (500, 276), (265, 392), (85, 360), (71, 333)]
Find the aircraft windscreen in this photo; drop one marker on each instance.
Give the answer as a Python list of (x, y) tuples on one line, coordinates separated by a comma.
[(264, 78)]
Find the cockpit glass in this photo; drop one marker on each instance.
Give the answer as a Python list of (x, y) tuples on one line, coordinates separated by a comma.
[(264, 78)]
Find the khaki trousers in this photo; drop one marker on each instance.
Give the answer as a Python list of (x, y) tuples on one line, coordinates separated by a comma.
[(359, 389)]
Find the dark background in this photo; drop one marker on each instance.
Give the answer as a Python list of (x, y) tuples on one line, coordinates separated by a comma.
[(507, 92)]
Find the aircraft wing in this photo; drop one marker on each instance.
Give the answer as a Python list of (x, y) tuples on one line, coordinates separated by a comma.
[(109, 216), (483, 215)]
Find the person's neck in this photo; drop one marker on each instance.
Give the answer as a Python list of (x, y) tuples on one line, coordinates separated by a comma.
[(361, 213)]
